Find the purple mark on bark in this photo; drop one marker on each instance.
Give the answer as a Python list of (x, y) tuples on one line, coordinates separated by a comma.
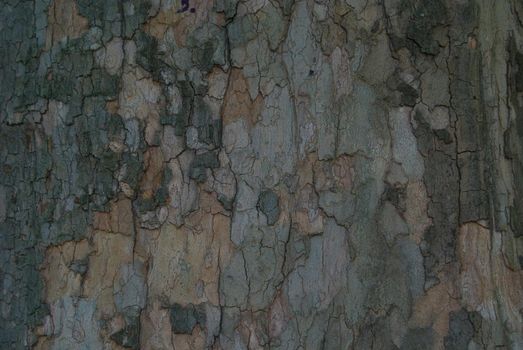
[(185, 7)]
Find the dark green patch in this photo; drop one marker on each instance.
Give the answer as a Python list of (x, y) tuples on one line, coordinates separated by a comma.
[(268, 203), (418, 338), (201, 162), (209, 129), (442, 182), (428, 15), (409, 95), (397, 196), (129, 336), (185, 318), (461, 329), (147, 54)]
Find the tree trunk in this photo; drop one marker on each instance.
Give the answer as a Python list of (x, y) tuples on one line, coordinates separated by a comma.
[(282, 174)]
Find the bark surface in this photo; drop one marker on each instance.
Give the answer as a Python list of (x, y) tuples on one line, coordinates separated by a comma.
[(248, 174)]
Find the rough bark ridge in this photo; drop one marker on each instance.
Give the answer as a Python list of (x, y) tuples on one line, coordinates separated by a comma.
[(261, 174)]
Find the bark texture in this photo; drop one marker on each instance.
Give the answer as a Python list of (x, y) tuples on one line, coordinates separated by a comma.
[(248, 174)]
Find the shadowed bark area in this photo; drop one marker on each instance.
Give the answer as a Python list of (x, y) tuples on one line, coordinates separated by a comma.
[(261, 174)]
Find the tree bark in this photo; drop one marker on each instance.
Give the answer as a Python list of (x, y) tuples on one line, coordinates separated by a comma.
[(240, 174)]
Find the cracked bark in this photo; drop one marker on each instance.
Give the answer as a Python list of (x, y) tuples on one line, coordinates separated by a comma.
[(261, 174)]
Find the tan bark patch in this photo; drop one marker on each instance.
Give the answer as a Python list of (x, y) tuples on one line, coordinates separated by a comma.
[(196, 340), (59, 279), (140, 95), (416, 210), (182, 24), (156, 328), (338, 174), (432, 310), (122, 217), (186, 261), (112, 106), (64, 22), (279, 315), (308, 217), (111, 251), (118, 220), (487, 284), (238, 103), (476, 284), (151, 181)]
